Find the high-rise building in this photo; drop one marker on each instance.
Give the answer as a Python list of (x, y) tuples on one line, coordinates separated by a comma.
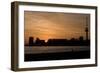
[(31, 41)]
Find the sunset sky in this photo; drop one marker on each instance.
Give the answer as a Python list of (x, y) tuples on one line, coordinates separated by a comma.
[(46, 25)]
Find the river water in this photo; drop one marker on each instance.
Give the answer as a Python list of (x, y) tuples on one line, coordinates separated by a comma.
[(53, 49)]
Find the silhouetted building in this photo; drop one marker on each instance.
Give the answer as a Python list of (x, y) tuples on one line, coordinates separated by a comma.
[(39, 42), (56, 42), (73, 39), (81, 38), (31, 41)]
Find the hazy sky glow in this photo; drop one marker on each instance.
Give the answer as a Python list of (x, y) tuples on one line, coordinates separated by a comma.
[(46, 25)]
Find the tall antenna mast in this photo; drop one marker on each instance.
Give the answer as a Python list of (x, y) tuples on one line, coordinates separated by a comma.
[(86, 29)]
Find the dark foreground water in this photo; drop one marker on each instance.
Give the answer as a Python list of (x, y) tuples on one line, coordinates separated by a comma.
[(41, 53)]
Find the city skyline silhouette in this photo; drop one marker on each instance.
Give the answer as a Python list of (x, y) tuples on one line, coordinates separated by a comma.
[(58, 42)]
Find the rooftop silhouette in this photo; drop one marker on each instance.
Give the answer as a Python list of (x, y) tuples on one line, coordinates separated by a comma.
[(58, 42)]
